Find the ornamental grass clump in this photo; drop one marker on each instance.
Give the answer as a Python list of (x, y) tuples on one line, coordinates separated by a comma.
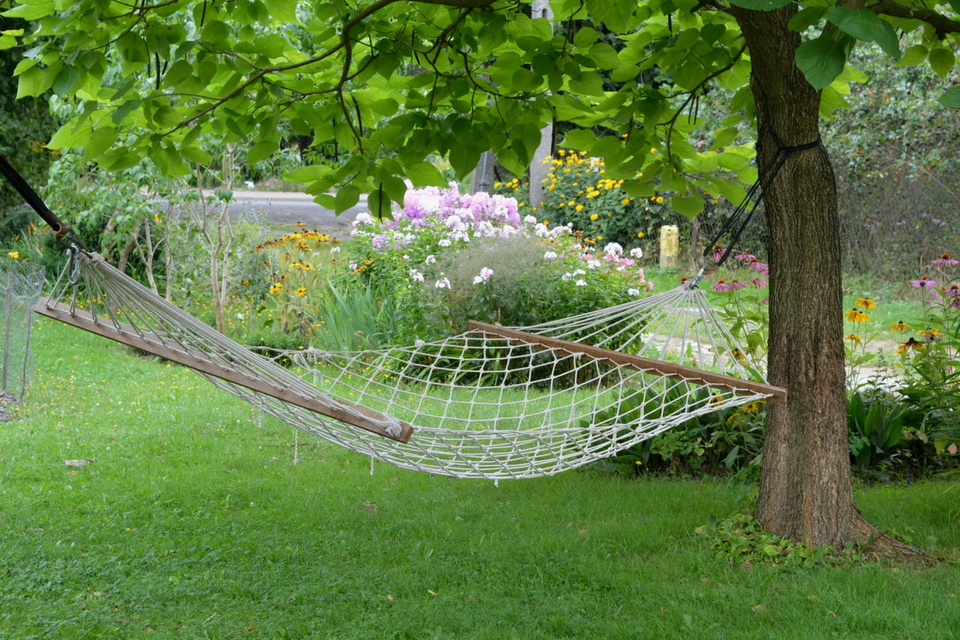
[(449, 257)]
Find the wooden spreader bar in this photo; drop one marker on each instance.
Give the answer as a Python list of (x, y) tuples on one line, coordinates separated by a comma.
[(128, 336), (667, 369)]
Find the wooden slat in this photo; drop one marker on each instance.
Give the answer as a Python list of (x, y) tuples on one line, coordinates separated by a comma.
[(667, 369), (129, 337)]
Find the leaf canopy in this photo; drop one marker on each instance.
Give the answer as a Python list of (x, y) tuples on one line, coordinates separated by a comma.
[(390, 84)]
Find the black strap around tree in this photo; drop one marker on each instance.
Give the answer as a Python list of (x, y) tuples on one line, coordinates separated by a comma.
[(764, 179), (32, 198)]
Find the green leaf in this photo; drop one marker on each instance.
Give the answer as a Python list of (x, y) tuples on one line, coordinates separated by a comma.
[(282, 10), (604, 56), (346, 197), (585, 37), (424, 174), (582, 139), (463, 158), (951, 98), (180, 70), (66, 80), (941, 61), (31, 10), (914, 55), (31, 83), (589, 84), (71, 135), (761, 5), (618, 16), (100, 140), (821, 60), (9, 39), (866, 25), (688, 206), (262, 150)]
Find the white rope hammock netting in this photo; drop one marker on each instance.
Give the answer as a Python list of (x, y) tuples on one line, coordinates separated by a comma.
[(490, 403)]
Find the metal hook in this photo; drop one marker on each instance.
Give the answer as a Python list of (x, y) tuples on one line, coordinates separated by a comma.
[(73, 265)]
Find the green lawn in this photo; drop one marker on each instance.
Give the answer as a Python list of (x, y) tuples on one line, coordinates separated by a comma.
[(193, 522)]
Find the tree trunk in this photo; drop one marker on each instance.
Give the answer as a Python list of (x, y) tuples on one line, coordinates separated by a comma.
[(806, 492)]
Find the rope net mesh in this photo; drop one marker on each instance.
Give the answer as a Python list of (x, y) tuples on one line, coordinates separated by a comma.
[(479, 405)]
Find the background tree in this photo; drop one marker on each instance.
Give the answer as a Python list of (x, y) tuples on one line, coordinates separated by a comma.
[(483, 75), (25, 126)]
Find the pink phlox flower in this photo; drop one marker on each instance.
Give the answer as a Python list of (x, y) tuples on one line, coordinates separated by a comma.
[(923, 283)]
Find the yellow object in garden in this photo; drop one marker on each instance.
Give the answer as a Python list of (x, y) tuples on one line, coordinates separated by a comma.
[(669, 246)]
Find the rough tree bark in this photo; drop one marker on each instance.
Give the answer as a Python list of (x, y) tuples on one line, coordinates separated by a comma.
[(806, 491)]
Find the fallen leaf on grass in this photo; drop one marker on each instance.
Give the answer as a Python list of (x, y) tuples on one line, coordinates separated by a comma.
[(431, 592), (371, 506)]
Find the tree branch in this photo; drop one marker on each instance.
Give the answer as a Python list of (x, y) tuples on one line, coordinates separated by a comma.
[(942, 24)]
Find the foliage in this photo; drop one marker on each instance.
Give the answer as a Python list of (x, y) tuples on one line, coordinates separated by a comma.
[(392, 83), (876, 429), (931, 356), (725, 440), (294, 265), (25, 126), (742, 300), (745, 543), (447, 258)]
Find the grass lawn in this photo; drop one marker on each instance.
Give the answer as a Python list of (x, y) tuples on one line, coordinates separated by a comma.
[(193, 522)]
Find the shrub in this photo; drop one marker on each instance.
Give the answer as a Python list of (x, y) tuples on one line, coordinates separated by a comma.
[(447, 257)]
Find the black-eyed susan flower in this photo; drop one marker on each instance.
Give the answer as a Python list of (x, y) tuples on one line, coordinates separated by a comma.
[(857, 316), (302, 291), (866, 303), (909, 344), (900, 327)]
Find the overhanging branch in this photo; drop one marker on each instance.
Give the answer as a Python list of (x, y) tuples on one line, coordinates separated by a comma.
[(941, 23)]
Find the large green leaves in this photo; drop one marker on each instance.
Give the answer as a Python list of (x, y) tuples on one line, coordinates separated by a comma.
[(951, 98), (822, 60), (866, 25)]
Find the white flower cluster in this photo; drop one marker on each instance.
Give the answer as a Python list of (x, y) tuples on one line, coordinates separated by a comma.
[(485, 275)]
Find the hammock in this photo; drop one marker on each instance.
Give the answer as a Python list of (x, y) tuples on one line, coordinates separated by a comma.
[(494, 402)]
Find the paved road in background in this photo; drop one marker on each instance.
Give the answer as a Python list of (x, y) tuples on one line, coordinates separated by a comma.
[(290, 208)]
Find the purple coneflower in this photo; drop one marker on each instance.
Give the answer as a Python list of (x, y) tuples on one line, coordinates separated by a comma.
[(946, 260), (923, 283)]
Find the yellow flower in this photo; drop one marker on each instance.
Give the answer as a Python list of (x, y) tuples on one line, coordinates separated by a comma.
[(14, 255), (852, 338), (594, 217), (659, 199), (579, 207), (866, 303), (625, 201), (930, 334), (855, 315), (640, 234), (276, 288), (909, 344), (302, 291), (900, 327)]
